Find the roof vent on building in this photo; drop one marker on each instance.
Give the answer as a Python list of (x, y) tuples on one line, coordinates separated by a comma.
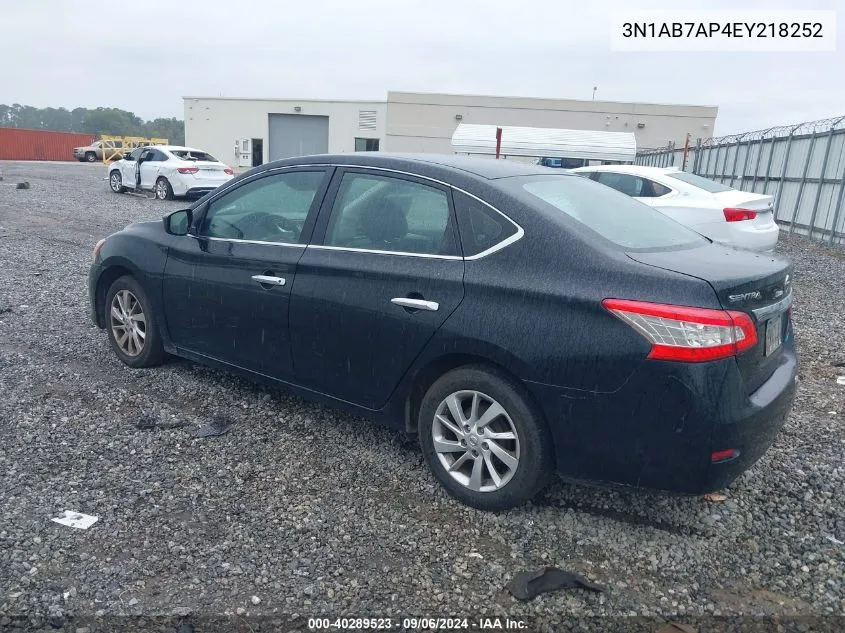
[(366, 119)]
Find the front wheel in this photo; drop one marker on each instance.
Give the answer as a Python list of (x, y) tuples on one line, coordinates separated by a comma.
[(116, 182), (483, 440), (163, 189), (132, 326)]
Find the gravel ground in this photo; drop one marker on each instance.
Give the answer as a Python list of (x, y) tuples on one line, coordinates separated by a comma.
[(302, 510)]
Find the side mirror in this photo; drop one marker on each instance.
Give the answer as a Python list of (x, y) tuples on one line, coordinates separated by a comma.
[(178, 222)]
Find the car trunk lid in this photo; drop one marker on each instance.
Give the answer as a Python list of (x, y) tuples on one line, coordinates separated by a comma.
[(762, 204), (207, 170), (759, 285)]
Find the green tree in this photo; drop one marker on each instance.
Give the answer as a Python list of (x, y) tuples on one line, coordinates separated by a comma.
[(97, 121)]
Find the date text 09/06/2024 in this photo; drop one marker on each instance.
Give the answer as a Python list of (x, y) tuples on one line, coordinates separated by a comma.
[(417, 624)]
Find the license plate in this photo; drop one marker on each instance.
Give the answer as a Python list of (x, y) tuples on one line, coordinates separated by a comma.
[(774, 338)]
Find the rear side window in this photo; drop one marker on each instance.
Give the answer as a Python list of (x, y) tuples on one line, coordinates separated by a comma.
[(611, 215), (630, 185), (383, 213), (627, 184), (480, 226), (186, 154), (655, 189), (711, 186)]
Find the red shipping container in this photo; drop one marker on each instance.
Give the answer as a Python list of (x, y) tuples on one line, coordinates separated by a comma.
[(21, 144)]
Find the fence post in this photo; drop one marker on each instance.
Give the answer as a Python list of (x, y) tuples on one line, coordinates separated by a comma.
[(725, 163), (783, 172), (709, 157), (769, 163), (696, 161), (803, 181), (757, 164), (736, 162), (838, 206), (821, 179), (745, 163)]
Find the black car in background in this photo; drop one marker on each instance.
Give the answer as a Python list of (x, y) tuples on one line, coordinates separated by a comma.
[(523, 321)]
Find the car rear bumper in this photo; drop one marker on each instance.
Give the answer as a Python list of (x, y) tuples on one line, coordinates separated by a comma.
[(198, 191), (188, 185), (748, 235), (659, 429)]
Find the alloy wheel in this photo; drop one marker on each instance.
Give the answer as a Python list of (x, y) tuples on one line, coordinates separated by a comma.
[(475, 441), (128, 323), (115, 182), (161, 190)]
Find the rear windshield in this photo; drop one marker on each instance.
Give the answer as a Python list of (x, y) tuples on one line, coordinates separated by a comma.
[(612, 215), (697, 181), (185, 154)]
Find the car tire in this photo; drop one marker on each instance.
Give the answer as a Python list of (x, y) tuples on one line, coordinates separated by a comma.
[(116, 182), (91, 157), (524, 464), (163, 190), (142, 346)]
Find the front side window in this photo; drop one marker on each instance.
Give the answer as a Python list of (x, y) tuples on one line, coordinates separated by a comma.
[(390, 214), (270, 209), (616, 218), (156, 156)]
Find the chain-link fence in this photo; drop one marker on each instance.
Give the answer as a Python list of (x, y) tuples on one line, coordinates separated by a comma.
[(802, 166)]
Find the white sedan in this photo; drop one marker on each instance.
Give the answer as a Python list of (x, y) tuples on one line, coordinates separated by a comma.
[(725, 215), (169, 171)]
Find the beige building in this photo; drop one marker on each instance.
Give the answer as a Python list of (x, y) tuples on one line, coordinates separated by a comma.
[(247, 132)]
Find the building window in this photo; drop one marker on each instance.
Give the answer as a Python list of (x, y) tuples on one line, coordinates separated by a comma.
[(366, 144)]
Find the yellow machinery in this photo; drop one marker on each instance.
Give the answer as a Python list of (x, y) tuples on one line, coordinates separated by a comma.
[(114, 147)]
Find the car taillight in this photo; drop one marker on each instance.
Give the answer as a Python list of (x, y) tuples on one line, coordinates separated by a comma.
[(188, 170), (738, 215), (686, 334), (229, 171)]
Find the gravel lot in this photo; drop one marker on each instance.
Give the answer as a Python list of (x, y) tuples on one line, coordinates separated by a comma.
[(316, 513)]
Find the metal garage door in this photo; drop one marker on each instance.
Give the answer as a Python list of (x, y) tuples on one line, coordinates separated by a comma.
[(298, 135)]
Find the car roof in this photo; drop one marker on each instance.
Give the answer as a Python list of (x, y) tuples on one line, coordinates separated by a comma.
[(488, 168), (177, 147), (638, 170)]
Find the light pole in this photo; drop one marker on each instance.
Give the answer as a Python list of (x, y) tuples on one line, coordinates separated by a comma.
[(594, 92)]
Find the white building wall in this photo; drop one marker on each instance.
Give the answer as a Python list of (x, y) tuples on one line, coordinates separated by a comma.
[(425, 122), (215, 123)]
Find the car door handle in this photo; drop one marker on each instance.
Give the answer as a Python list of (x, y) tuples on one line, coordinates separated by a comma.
[(267, 280), (416, 304)]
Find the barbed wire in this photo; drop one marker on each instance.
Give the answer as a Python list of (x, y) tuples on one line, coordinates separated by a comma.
[(779, 131)]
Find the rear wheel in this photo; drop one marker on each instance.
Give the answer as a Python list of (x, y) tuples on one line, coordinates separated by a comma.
[(132, 327), (483, 439), (116, 182), (91, 157), (163, 189)]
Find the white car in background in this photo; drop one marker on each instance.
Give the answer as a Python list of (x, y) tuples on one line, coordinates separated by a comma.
[(169, 171), (725, 215)]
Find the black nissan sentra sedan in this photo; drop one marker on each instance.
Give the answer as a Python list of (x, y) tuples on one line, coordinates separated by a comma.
[(522, 321)]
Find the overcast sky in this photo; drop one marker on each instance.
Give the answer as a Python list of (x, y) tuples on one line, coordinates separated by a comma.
[(145, 55)]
